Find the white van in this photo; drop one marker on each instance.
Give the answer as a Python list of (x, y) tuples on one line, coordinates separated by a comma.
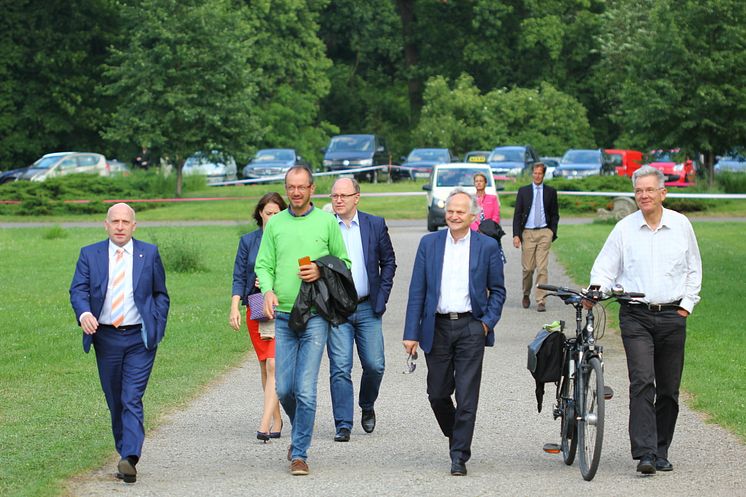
[(446, 177)]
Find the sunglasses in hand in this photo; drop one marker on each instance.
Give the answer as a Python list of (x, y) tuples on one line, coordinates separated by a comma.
[(411, 363)]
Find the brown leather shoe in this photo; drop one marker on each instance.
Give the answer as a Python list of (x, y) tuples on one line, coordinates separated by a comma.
[(526, 302), (298, 467), (541, 308)]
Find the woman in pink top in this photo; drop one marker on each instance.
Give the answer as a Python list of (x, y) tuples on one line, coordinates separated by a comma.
[(490, 204)]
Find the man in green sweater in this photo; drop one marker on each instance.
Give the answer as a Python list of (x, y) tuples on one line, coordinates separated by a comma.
[(292, 239)]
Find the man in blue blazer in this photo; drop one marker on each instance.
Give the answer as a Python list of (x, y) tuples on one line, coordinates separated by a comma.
[(456, 297), (373, 266), (119, 297)]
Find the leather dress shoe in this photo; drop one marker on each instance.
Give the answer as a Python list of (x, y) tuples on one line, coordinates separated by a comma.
[(126, 470), (526, 302), (541, 308), (646, 466), (368, 420), (458, 468), (343, 435), (662, 464)]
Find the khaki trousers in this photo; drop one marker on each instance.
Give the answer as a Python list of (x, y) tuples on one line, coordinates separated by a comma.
[(535, 257)]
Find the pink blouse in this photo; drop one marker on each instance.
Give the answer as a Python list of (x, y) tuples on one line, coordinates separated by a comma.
[(490, 205)]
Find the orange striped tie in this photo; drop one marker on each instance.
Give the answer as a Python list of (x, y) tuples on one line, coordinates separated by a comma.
[(117, 289)]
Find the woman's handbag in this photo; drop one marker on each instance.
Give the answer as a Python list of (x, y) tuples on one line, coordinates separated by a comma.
[(256, 306), (267, 329)]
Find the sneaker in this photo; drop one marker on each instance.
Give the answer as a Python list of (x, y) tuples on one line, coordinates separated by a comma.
[(298, 467)]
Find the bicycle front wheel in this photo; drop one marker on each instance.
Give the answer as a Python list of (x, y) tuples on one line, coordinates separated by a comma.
[(568, 426), (591, 422)]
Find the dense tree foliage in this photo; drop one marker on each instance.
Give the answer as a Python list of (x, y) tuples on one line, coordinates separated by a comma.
[(177, 76)]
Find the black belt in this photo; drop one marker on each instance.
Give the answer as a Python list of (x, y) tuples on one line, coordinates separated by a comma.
[(127, 327), (670, 306), (454, 315), (542, 228), (363, 299)]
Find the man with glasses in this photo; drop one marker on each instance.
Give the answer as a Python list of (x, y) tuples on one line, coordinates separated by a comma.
[(373, 266), (653, 251), (456, 297), (292, 240)]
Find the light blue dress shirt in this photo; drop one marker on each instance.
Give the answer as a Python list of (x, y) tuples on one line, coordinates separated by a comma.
[(354, 244)]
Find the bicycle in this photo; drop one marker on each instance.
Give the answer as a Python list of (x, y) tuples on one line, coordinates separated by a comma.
[(581, 393)]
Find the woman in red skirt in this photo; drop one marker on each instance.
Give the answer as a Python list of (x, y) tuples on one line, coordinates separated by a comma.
[(244, 284)]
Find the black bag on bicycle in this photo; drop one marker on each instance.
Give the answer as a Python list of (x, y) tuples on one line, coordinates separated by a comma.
[(545, 354)]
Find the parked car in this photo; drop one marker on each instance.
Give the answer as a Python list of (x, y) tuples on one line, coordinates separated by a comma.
[(12, 175), (118, 168), (61, 164), (734, 162), (512, 160), (675, 165), (217, 166), (357, 151), (581, 163), (552, 163), (624, 162), (446, 177), (478, 156), (273, 162), (420, 161)]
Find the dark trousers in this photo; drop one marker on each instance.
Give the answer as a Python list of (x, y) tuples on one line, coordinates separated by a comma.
[(124, 366), (654, 344), (455, 364)]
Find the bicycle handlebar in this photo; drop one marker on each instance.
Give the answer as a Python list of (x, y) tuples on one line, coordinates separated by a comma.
[(593, 295)]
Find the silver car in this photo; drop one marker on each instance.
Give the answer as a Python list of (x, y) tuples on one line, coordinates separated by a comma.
[(217, 166), (65, 163)]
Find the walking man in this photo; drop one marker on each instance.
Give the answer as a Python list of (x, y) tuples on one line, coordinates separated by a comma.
[(369, 247), (119, 297), (292, 240), (653, 251), (456, 297), (535, 223)]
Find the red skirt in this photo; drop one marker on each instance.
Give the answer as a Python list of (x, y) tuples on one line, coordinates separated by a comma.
[(265, 349)]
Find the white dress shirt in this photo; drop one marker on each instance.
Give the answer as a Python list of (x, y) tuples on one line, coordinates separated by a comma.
[(664, 263), (538, 193), (131, 314), (454, 280), (354, 243)]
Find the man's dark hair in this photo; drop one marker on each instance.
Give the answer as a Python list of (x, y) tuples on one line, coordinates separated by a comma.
[(268, 198)]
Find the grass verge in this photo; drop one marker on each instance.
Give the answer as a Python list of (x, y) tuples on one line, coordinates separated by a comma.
[(714, 372)]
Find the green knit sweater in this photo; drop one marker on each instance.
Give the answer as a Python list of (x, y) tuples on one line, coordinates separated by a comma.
[(286, 239)]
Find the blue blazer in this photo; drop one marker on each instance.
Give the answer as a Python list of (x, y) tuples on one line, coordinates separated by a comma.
[(88, 288), (244, 276), (486, 286), (380, 260)]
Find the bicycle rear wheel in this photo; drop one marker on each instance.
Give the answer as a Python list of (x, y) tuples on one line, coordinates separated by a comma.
[(568, 427), (591, 412)]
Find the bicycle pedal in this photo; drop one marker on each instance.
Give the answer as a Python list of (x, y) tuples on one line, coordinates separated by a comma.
[(551, 448), (608, 392)]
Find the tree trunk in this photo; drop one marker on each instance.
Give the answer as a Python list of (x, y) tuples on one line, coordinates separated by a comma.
[(179, 176), (411, 56), (709, 163)]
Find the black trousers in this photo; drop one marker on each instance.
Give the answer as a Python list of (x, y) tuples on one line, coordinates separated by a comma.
[(654, 344), (454, 364)]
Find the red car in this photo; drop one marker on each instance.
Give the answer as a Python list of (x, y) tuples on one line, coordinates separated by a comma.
[(625, 162), (675, 165)]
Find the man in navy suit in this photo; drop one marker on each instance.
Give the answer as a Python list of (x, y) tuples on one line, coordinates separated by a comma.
[(535, 223), (373, 266), (456, 297), (119, 297)]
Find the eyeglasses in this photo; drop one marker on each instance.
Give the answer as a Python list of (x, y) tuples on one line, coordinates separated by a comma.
[(341, 196), (411, 363), (301, 189), (648, 191)]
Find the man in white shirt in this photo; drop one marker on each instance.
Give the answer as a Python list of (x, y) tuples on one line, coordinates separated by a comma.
[(456, 296), (653, 251)]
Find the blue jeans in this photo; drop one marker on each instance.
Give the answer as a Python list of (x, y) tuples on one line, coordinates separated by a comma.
[(364, 328), (297, 362)]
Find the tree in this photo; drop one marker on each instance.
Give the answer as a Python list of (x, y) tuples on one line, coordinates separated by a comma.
[(184, 82)]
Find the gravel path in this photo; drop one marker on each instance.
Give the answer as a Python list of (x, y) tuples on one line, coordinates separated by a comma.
[(209, 448)]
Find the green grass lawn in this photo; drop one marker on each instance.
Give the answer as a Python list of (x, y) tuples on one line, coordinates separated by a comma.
[(714, 371)]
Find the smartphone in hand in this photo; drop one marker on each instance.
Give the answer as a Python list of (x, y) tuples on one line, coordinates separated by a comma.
[(304, 261)]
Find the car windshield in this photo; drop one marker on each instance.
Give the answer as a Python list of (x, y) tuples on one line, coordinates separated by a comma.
[(428, 154), (202, 158), (273, 155), (506, 156), (351, 143), (675, 155), (582, 157), (615, 159), (460, 177), (46, 162)]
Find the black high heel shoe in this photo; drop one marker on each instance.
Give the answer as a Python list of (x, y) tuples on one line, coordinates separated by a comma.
[(263, 436), (276, 434)]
